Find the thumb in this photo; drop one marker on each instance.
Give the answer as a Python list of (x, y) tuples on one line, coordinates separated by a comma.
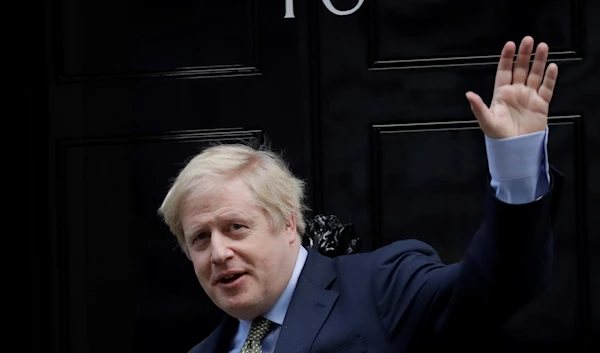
[(481, 111)]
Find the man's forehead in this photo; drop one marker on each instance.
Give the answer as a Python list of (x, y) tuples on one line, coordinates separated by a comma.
[(219, 188), (206, 209), (206, 194)]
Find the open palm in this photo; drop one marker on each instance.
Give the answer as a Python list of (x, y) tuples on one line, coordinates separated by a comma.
[(521, 96)]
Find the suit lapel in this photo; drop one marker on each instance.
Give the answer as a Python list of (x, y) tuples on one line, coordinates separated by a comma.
[(310, 305)]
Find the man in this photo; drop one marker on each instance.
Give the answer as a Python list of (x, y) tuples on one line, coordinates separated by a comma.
[(238, 216)]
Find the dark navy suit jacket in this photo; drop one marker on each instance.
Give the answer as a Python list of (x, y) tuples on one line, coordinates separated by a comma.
[(402, 298)]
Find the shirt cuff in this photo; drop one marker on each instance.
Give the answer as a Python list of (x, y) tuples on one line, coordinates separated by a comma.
[(517, 157), (519, 167)]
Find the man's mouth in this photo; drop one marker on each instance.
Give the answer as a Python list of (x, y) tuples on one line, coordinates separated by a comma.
[(231, 278)]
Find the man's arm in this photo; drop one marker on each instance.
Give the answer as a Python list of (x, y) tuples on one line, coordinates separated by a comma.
[(425, 303), (507, 264), (508, 261)]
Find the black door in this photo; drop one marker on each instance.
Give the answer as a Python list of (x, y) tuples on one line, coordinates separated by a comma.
[(366, 100)]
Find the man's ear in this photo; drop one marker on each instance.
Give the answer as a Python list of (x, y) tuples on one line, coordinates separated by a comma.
[(290, 228)]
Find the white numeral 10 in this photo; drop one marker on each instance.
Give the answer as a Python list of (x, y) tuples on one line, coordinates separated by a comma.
[(289, 8)]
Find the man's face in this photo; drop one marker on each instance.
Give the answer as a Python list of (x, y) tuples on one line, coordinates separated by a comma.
[(241, 261)]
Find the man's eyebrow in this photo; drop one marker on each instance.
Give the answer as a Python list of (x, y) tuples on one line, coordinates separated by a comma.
[(235, 214), (194, 228), (231, 216)]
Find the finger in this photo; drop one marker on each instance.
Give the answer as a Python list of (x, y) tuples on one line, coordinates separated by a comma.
[(547, 89), (505, 65), (537, 69), (481, 111), (522, 63)]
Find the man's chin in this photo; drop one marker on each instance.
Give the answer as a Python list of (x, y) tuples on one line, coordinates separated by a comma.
[(241, 308), (243, 314)]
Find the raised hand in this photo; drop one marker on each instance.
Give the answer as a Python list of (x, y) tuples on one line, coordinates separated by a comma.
[(521, 97)]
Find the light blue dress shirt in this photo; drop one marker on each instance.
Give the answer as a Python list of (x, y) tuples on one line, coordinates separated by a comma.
[(519, 174)]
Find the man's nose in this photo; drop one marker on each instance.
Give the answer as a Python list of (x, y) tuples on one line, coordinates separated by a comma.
[(220, 248)]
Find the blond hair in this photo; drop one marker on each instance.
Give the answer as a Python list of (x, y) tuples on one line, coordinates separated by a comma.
[(275, 188)]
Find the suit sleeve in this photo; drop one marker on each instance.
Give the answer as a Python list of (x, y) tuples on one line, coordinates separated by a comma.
[(425, 303), (508, 263)]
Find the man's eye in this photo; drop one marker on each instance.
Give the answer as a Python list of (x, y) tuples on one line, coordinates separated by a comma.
[(202, 236), (236, 226)]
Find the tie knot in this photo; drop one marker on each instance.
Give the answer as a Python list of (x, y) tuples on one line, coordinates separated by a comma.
[(259, 329)]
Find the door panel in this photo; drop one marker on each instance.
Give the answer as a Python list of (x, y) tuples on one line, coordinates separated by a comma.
[(410, 34), (115, 38)]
